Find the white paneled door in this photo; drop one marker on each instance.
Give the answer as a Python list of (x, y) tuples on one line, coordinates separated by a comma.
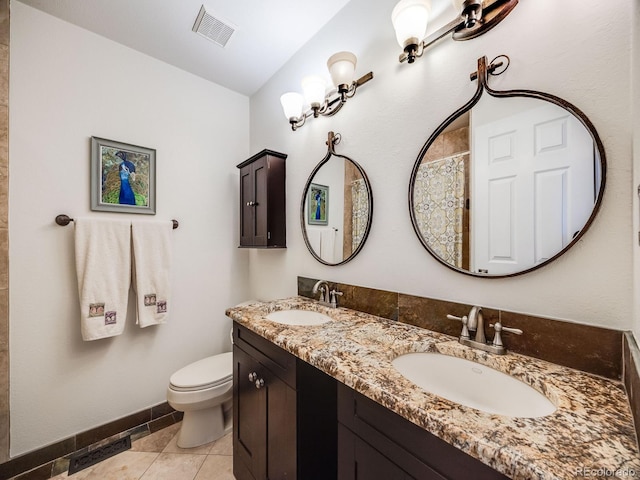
[(532, 188)]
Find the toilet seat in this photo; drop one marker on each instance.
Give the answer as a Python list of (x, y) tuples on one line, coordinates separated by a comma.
[(206, 373)]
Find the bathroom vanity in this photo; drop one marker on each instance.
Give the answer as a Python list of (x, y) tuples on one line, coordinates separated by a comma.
[(284, 426), (389, 428)]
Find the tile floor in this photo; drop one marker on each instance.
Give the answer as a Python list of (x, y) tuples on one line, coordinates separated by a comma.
[(158, 457)]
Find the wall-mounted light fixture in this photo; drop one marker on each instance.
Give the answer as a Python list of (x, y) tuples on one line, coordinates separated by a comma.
[(409, 18), (342, 67)]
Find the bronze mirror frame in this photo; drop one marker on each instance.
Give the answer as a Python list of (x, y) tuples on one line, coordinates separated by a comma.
[(482, 76), (332, 140)]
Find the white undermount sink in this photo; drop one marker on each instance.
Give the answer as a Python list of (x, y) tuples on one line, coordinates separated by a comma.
[(473, 385), (298, 317)]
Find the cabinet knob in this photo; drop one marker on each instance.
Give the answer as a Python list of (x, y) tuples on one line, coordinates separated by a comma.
[(253, 376), (259, 383)]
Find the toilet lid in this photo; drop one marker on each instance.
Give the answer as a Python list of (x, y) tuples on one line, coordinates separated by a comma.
[(205, 373)]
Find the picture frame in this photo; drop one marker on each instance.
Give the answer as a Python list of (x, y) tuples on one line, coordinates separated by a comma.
[(123, 177), (318, 204)]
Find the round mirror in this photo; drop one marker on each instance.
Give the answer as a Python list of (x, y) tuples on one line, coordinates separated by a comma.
[(336, 208), (507, 184)]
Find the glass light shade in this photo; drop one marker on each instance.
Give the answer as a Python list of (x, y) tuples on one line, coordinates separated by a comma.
[(342, 66), (409, 18), (314, 88), (292, 105), (457, 4)]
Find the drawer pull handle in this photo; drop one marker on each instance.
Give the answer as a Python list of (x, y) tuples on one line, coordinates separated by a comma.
[(259, 383), (253, 376)]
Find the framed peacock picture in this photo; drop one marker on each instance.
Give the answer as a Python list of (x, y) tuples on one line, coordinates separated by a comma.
[(318, 205), (123, 177)]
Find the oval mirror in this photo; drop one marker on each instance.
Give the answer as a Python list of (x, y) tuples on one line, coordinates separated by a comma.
[(336, 208), (507, 183)]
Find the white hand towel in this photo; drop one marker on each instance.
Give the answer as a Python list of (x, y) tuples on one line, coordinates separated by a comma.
[(313, 234), (152, 255), (328, 244), (103, 265)]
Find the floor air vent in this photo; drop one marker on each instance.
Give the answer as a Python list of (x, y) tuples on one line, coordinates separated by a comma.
[(212, 28), (80, 461)]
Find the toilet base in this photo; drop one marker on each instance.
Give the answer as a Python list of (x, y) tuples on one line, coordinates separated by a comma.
[(203, 426)]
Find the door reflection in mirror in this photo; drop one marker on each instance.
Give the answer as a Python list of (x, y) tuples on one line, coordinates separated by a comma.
[(506, 186)]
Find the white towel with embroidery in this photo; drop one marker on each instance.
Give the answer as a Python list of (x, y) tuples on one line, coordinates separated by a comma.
[(152, 256), (103, 266)]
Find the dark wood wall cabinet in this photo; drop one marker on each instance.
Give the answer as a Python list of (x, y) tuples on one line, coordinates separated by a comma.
[(262, 201), (285, 418)]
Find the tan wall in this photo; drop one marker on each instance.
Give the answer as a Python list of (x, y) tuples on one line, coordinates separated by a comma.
[(4, 230)]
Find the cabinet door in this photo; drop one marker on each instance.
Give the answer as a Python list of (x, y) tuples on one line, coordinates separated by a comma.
[(254, 180), (249, 419), (359, 461), (281, 430), (260, 209), (264, 422), (247, 211)]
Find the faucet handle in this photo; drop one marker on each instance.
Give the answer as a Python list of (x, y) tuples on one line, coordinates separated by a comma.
[(497, 339), (463, 319), (322, 297), (332, 296)]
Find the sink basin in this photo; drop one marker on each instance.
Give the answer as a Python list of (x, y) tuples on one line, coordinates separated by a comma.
[(473, 385), (298, 317)]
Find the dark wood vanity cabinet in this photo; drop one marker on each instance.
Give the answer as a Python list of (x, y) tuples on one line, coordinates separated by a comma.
[(375, 443), (262, 200), (284, 414), (293, 422)]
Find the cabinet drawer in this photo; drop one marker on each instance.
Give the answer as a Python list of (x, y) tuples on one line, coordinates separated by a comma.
[(280, 362), (419, 453)]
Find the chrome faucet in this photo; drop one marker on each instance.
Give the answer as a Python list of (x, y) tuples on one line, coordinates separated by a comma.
[(327, 295), (475, 323), (323, 286)]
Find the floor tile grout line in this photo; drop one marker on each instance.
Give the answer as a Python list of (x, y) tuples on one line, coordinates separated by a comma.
[(200, 468), (147, 469)]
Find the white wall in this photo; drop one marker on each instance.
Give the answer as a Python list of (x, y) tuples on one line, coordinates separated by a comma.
[(576, 49), (66, 85)]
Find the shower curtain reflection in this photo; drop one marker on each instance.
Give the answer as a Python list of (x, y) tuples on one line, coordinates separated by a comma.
[(360, 211), (439, 199)]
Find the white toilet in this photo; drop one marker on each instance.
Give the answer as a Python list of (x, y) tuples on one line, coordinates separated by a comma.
[(203, 390)]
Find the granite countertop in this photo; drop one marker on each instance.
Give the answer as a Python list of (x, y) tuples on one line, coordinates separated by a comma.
[(590, 434)]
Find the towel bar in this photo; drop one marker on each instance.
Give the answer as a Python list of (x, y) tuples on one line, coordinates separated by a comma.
[(64, 220)]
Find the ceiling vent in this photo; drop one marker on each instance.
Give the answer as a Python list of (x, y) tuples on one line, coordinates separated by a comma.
[(215, 29)]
